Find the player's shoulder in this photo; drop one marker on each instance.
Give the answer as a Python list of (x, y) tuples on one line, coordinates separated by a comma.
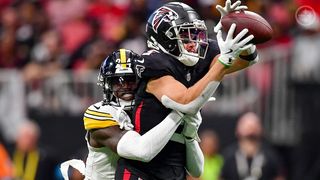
[(154, 58), (99, 115), (151, 53), (154, 64), (100, 107)]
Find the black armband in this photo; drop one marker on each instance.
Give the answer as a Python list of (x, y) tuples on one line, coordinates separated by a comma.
[(250, 57)]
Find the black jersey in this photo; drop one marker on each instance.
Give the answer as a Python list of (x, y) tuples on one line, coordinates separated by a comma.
[(149, 111)]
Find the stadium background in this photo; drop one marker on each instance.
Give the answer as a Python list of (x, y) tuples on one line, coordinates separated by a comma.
[(50, 51)]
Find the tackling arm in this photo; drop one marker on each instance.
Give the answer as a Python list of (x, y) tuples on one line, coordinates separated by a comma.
[(195, 158), (194, 155), (131, 145)]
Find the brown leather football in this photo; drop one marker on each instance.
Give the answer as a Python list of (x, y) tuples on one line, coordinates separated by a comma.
[(256, 25)]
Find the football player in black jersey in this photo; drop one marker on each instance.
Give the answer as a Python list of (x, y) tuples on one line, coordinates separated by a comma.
[(180, 71), (109, 128)]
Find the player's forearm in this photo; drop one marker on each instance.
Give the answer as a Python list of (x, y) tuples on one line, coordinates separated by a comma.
[(194, 159), (215, 73), (237, 66), (144, 148), (191, 100)]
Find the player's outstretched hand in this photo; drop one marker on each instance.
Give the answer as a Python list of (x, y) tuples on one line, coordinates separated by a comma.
[(228, 8), (231, 47)]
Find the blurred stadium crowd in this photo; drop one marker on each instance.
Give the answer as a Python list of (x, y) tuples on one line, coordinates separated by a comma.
[(50, 51)]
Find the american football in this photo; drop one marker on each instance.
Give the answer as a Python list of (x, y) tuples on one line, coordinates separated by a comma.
[(256, 25)]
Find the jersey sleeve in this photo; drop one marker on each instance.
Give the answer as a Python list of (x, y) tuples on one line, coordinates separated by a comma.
[(97, 117), (153, 65)]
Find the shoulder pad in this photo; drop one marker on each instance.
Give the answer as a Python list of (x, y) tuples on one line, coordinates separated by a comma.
[(154, 64), (99, 116)]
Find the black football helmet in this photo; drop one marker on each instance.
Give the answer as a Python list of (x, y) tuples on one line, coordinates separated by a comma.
[(117, 77), (172, 26)]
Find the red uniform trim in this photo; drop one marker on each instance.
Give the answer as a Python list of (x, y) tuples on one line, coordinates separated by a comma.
[(137, 118), (126, 175)]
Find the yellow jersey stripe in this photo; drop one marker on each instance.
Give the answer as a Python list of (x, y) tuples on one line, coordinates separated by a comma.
[(96, 124), (123, 58), (96, 113)]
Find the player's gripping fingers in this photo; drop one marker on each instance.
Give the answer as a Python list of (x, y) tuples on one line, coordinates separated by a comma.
[(241, 8), (231, 31), (245, 41), (220, 9), (217, 27), (219, 37), (227, 6), (234, 5), (246, 47), (224, 10), (240, 35)]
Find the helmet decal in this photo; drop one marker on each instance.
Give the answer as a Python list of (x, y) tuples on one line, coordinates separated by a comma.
[(124, 63), (163, 14)]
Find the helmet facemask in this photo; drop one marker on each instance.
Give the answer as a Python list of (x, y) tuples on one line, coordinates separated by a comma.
[(192, 41), (120, 90)]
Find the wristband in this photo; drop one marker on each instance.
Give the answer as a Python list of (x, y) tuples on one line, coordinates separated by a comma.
[(223, 62), (252, 54), (250, 57)]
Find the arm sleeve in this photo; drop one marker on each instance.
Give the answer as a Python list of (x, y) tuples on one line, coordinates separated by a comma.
[(144, 148), (195, 158), (194, 106)]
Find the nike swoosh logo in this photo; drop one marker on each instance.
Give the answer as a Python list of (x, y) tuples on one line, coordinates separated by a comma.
[(140, 61), (230, 51), (97, 107)]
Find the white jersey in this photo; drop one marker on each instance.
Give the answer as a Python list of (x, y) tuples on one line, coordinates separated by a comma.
[(101, 162)]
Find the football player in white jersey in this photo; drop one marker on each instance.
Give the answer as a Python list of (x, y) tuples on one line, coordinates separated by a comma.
[(110, 133)]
